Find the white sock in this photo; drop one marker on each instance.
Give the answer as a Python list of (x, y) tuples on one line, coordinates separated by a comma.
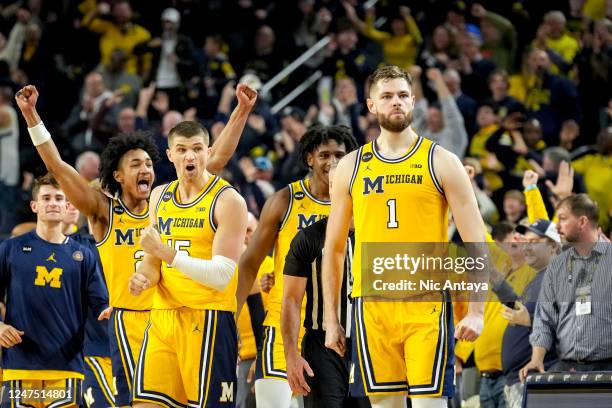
[(272, 393), (388, 401), (437, 402)]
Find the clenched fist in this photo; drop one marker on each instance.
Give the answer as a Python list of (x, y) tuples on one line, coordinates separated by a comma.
[(26, 98), (246, 96), (150, 240)]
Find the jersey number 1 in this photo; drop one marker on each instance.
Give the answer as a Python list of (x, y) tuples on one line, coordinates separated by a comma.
[(392, 223)]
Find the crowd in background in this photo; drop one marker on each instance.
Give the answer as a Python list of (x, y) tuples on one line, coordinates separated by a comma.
[(518, 90), (508, 86)]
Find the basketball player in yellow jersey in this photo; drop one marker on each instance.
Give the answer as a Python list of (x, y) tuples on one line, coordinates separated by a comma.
[(117, 222), (296, 206), (190, 346), (398, 189)]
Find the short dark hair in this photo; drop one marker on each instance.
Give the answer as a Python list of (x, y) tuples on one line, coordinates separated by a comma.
[(557, 155), (317, 135), (502, 229), (115, 149), (582, 204), (188, 129), (389, 72), (46, 180)]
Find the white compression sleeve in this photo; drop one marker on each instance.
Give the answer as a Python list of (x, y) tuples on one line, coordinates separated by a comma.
[(215, 273)]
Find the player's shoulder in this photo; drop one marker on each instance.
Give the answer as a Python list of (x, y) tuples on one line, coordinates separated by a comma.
[(74, 246), (8, 244), (228, 196), (156, 195), (350, 158), (445, 162), (157, 192), (281, 197)]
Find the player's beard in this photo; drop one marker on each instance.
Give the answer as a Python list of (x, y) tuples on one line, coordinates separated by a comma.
[(394, 125)]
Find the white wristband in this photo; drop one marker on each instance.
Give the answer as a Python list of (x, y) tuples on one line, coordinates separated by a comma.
[(39, 134)]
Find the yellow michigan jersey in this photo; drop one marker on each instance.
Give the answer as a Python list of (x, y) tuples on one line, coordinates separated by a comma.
[(397, 200), (190, 227), (304, 210), (120, 253)]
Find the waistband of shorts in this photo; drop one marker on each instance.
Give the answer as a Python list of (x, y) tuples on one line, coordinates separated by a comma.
[(130, 310)]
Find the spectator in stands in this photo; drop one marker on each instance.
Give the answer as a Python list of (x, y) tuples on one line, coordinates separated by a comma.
[(88, 165), (517, 146), (570, 130), (499, 37), (596, 169), (80, 124), (121, 33), (9, 161), (174, 63), (127, 121), (10, 49), (532, 133), (344, 59), (215, 72), (541, 245), (32, 58), (311, 26), (440, 49), (499, 85), (253, 181), (487, 121), (400, 47), (164, 169), (264, 60), (455, 17), (441, 123), (344, 108), (486, 206), (514, 207), (117, 78), (475, 69), (467, 106), (549, 98), (558, 44), (285, 142), (574, 312), (594, 64)]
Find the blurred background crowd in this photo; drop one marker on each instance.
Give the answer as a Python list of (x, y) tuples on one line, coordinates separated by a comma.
[(519, 90), (507, 86)]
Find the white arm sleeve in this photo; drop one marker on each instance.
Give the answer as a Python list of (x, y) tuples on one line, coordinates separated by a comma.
[(215, 273)]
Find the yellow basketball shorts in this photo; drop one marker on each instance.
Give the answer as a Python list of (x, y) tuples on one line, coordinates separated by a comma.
[(402, 348), (98, 386), (126, 331), (271, 362), (188, 359), (65, 392)]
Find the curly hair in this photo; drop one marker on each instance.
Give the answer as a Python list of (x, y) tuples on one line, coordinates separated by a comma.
[(114, 151), (317, 135)]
